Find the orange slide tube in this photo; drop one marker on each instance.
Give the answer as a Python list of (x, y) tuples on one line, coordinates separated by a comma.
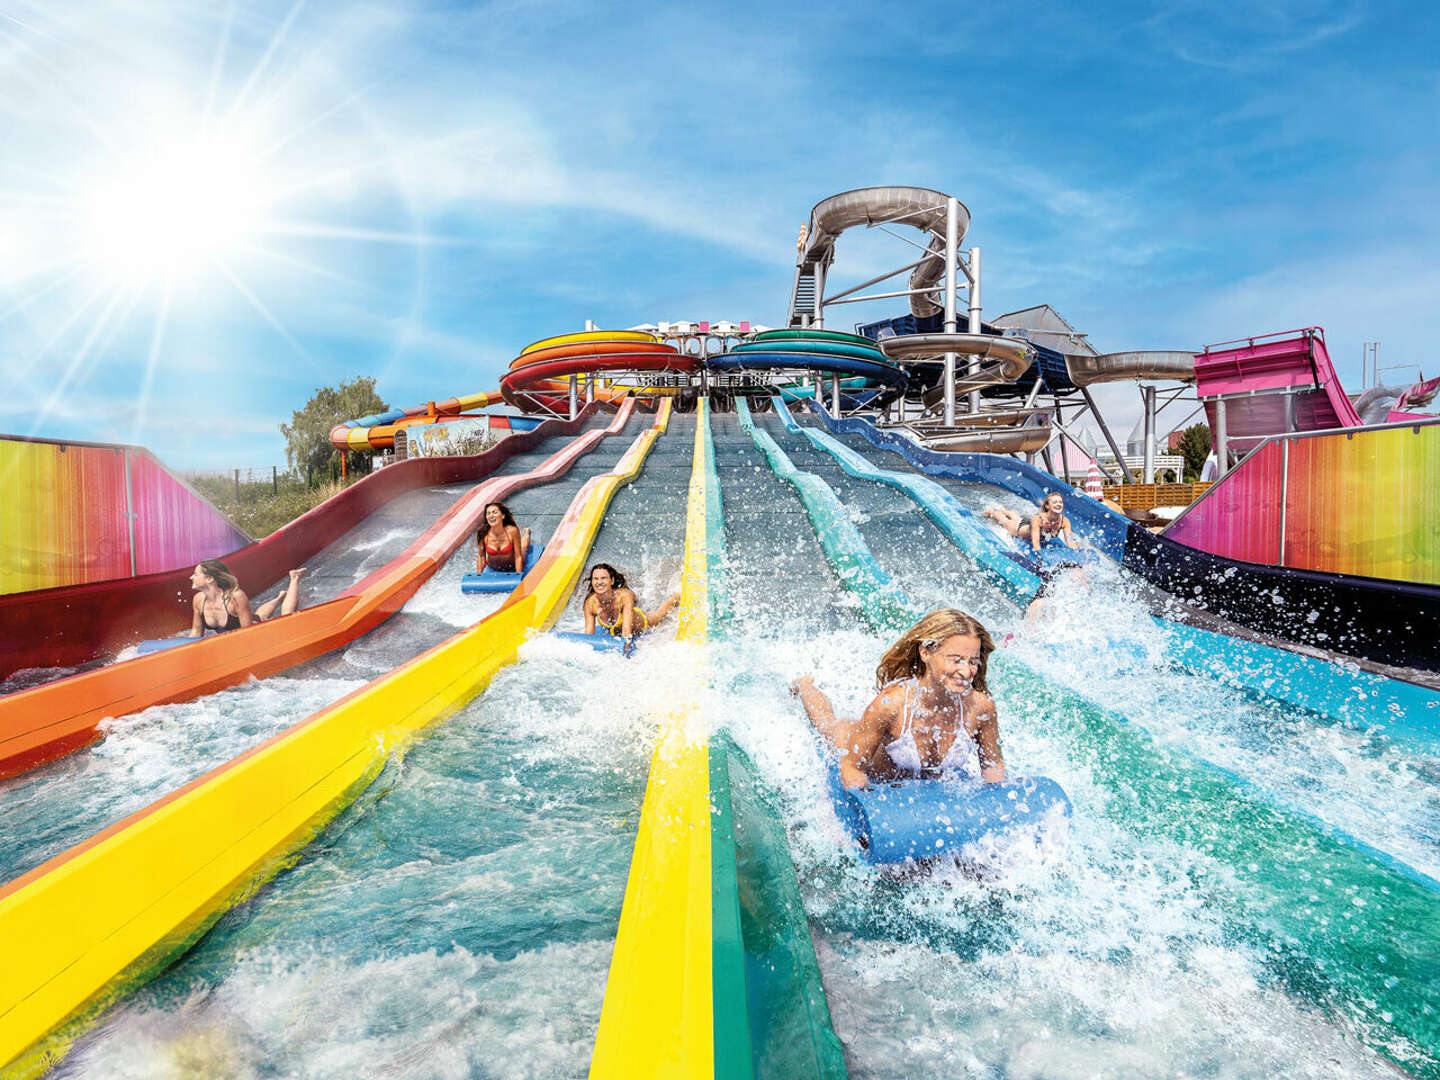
[(49, 721)]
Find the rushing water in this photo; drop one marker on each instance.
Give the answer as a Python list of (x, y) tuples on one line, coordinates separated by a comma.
[(1097, 637), (456, 922)]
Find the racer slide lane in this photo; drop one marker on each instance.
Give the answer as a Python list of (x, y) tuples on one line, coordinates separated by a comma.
[(88, 925), (77, 624), (713, 973), (1384, 622), (46, 722)]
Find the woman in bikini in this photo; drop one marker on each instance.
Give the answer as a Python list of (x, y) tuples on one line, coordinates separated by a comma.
[(610, 605), (220, 604), (933, 715), (500, 545), (1044, 526)]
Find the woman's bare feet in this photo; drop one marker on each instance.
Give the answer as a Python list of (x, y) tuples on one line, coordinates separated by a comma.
[(803, 683)]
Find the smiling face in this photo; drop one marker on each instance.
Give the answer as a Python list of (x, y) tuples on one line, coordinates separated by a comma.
[(493, 517), (953, 664), (600, 581), (199, 579), (1054, 503)]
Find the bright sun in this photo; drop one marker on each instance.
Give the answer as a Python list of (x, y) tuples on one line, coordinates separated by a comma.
[(187, 206)]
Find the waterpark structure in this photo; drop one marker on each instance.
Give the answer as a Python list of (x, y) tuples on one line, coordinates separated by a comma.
[(640, 864)]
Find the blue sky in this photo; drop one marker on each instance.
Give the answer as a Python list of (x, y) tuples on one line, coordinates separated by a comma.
[(208, 211)]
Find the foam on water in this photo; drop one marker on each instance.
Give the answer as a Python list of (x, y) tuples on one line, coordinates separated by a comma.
[(1103, 643), (143, 756), (441, 596), (456, 922), (1101, 955)]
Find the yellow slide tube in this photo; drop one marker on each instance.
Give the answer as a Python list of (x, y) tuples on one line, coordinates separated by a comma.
[(657, 1019), (582, 336), (84, 927)]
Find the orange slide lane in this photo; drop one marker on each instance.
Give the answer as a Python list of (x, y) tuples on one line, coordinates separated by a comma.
[(50, 721)]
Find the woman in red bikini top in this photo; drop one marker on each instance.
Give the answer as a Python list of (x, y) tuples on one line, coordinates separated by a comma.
[(500, 543)]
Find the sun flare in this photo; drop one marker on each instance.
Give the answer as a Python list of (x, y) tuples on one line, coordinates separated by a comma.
[(185, 207)]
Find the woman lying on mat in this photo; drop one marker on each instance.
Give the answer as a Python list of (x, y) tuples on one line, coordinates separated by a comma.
[(933, 715), (500, 544), (611, 606), (221, 605), (1047, 525)]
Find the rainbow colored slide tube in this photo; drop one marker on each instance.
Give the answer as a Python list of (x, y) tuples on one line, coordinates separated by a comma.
[(533, 372), (377, 431), (91, 924), (71, 625), (49, 721)]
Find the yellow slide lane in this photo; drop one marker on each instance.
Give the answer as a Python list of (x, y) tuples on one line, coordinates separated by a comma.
[(657, 1018), (81, 929)]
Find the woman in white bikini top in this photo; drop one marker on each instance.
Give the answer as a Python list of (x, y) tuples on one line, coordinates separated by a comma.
[(962, 758), (932, 688)]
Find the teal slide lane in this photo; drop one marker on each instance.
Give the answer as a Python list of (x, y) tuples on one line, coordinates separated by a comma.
[(1341, 924), (960, 526), (1405, 712), (847, 552), (772, 1021)]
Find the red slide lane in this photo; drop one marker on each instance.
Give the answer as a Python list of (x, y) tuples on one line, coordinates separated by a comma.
[(73, 624), (49, 721)]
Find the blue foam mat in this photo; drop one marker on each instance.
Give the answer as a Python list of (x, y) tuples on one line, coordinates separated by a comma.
[(500, 581), (904, 820)]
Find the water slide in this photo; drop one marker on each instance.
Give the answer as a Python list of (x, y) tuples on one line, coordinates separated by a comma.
[(818, 352), (377, 431), (921, 208), (472, 892), (358, 581), (709, 926), (63, 628), (534, 378)]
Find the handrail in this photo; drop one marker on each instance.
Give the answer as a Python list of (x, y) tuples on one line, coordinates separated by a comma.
[(1308, 331)]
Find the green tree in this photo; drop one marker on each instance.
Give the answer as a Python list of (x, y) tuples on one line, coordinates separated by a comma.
[(1195, 448), (307, 436)]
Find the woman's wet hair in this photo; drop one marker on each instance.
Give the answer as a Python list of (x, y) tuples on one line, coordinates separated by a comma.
[(617, 579), (227, 581), (903, 660), (507, 520)]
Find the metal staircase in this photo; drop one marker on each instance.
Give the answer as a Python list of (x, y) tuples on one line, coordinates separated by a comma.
[(802, 297)]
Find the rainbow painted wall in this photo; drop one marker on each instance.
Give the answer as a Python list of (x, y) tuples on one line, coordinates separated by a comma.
[(81, 512), (1356, 502)]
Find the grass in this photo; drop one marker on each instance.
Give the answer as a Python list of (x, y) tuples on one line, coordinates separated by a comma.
[(260, 509)]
